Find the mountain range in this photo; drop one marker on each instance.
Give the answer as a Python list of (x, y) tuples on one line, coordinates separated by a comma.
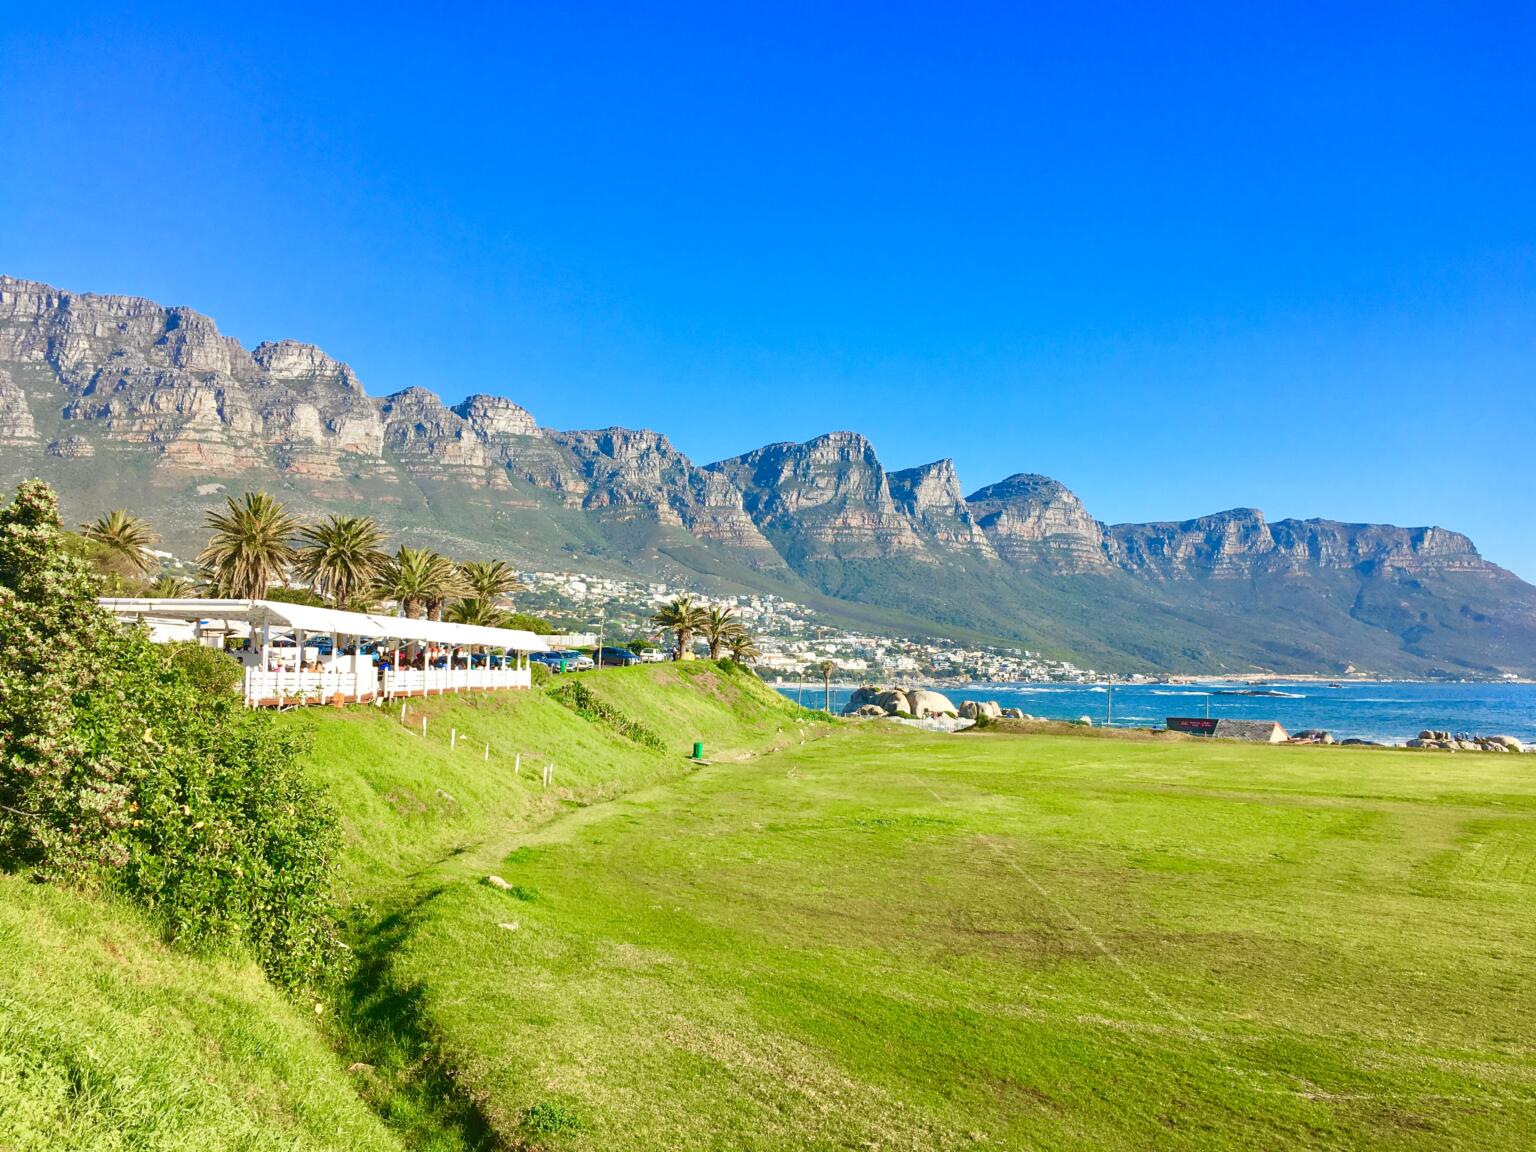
[(121, 402)]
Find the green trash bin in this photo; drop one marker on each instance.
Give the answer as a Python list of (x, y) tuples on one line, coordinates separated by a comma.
[(698, 749)]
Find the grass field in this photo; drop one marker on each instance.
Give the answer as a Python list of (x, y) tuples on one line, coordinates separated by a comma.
[(889, 940), (112, 1042), (836, 936)]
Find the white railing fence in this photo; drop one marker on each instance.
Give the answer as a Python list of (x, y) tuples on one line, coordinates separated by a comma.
[(281, 687)]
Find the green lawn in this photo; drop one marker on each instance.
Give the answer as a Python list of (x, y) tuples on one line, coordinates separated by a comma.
[(848, 936), (112, 1042), (889, 940)]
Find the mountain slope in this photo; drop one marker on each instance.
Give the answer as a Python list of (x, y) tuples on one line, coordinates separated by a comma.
[(119, 401)]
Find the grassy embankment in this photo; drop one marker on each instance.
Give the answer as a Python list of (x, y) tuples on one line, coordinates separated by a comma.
[(895, 940), (888, 938), (112, 1042), (110, 1039)]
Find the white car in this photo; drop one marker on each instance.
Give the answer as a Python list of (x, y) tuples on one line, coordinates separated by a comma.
[(651, 656)]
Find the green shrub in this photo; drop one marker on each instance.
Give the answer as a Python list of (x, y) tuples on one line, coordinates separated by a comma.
[(530, 623), (580, 699), (119, 769), (539, 674), (549, 1118), (212, 671)]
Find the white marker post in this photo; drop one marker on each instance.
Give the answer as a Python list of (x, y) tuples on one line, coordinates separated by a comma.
[(487, 756), (453, 739), (517, 765)]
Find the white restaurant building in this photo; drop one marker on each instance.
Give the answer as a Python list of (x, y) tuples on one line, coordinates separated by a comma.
[(298, 654)]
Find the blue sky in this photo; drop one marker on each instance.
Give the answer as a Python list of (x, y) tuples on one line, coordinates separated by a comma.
[(1182, 260)]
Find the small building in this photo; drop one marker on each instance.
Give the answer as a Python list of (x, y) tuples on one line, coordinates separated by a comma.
[(297, 654), (1257, 731)]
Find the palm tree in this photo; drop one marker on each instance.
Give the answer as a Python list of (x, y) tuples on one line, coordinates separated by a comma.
[(719, 626), (422, 581), (743, 649), (490, 579), (477, 611), (445, 583), (169, 587), (406, 578), (251, 547), (685, 618), (341, 557), (125, 536), (826, 668)]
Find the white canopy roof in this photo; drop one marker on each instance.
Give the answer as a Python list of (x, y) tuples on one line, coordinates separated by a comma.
[(321, 621)]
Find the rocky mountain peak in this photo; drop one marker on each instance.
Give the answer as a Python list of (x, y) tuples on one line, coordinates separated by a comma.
[(495, 416), (1034, 520), (293, 360), (928, 486)]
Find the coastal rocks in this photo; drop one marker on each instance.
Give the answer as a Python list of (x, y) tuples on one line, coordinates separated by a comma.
[(926, 703), (976, 709), (1084, 721), (918, 703), (867, 712), (1312, 736), (1015, 714), (1440, 740)]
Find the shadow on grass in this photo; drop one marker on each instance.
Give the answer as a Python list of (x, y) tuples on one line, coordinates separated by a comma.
[(384, 1027)]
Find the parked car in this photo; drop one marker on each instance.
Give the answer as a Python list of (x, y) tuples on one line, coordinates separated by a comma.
[(616, 658), (554, 661), (576, 661), (652, 656)]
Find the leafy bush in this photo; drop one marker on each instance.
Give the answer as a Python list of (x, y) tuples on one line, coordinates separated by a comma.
[(580, 699), (530, 623), (283, 594), (212, 671), (549, 1118), (539, 674), (118, 768)]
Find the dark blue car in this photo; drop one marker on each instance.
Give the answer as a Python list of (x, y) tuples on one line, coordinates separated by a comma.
[(615, 658)]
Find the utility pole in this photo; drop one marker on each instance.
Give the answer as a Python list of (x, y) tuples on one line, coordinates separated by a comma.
[(1109, 706), (602, 620)]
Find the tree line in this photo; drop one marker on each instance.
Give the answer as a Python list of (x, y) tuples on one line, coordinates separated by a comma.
[(718, 626), (257, 546)]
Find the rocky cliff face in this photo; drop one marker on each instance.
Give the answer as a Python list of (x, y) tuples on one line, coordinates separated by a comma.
[(125, 373), (1034, 521), (828, 498), (89, 382), (930, 495), (1239, 545)]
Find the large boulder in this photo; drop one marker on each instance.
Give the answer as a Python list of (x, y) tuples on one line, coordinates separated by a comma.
[(1013, 713), (926, 703), (1509, 742), (976, 709), (864, 694), (869, 711), (894, 701)]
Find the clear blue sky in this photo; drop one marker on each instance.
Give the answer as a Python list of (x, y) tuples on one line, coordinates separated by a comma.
[(1281, 256)]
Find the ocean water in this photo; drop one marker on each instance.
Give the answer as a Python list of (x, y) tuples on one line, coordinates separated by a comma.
[(1390, 713)]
